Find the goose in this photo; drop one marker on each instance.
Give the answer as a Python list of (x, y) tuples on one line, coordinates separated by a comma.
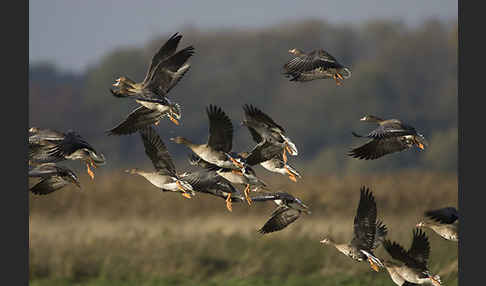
[(270, 157), (389, 137), (413, 263), (210, 182), (288, 210), (246, 176), (317, 64), (166, 69), (263, 128), (53, 178), (217, 150), (165, 176), (448, 226), (368, 232), (51, 146)]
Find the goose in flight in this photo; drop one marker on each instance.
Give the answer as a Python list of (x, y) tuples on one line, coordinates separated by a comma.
[(165, 176), (263, 128), (317, 64), (166, 69), (50, 146), (288, 210), (390, 136), (217, 150), (53, 178), (448, 222), (412, 266), (368, 232)]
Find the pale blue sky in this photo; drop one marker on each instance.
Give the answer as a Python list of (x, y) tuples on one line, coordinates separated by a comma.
[(74, 34)]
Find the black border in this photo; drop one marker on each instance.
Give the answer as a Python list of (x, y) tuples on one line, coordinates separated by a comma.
[(14, 119)]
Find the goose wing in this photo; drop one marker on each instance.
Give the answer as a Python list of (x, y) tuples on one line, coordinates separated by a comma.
[(48, 185), (137, 119), (419, 250), (376, 148), (365, 221), (220, 129), (280, 219), (157, 152), (445, 215), (256, 117), (167, 73), (165, 51), (262, 152)]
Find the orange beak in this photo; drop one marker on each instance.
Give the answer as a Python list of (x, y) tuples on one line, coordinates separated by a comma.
[(421, 146)]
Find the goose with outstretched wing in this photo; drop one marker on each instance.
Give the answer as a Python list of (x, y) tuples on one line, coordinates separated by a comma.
[(166, 69)]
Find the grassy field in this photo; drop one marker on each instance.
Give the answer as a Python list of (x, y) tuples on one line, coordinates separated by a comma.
[(120, 230)]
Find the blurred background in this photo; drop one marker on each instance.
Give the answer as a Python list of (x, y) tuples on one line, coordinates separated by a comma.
[(120, 230)]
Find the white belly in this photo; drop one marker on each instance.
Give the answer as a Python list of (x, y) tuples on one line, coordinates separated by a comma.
[(154, 106)]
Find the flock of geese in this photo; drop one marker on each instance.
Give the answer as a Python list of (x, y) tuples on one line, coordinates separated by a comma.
[(221, 168)]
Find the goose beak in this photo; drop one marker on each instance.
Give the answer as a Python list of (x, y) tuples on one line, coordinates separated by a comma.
[(421, 146)]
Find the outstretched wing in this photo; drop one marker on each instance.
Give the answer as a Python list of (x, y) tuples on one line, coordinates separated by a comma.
[(377, 148), (48, 185), (396, 251), (445, 215), (220, 129), (380, 234), (392, 128), (365, 221), (420, 249), (167, 50), (166, 74), (137, 119), (256, 117), (280, 219), (157, 152)]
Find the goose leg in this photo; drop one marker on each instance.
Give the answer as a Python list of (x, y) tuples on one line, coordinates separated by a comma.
[(291, 176), (247, 194), (90, 173), (335, 77), (236, 163), (173, 120), (284, 155), (373, 265), (228, 203), (184, 193)]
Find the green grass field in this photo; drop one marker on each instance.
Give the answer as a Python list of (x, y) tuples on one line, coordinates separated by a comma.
[(125, 232)]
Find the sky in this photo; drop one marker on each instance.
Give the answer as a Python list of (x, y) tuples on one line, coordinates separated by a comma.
[(76, 34)]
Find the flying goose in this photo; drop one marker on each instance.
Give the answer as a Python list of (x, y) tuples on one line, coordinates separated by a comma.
[(50, 146), (217, 150), (389, 137), (368, 232), (207, 181), (166, 69), (246, 176), (269, 155), (317, 64), (448, 226), (263, 128), (288, 210), (53, 178), (165, 176), (413, 263)]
